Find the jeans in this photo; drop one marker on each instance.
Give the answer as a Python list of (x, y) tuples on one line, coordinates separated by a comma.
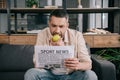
[(43, 74)]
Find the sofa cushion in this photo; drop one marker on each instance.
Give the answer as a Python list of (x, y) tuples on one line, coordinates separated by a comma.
[(16, 57)]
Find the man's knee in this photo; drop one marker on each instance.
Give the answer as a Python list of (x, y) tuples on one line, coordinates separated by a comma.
[(35, 74), (29, 73), (91, 75)]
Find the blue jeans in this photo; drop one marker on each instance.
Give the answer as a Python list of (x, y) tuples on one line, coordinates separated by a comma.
[(43, 74)]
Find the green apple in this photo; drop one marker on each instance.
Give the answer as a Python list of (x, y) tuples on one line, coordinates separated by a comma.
[(55, 38)]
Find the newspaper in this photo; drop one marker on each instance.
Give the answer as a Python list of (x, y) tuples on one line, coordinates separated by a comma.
[(52, 56)]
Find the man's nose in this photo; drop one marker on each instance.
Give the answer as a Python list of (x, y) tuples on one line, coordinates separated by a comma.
[(57, 30)]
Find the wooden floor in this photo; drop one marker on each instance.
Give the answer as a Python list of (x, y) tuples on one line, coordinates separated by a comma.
[(95, 41)]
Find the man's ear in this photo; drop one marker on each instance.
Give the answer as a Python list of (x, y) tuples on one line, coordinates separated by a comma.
[(48, 23), (68, 24)]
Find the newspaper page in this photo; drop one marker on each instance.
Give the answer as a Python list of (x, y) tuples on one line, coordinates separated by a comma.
[(52, 56)]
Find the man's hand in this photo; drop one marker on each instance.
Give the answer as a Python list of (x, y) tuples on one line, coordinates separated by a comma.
[(72, 63)]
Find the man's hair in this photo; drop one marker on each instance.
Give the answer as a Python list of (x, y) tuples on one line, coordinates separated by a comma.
[(61, 13)]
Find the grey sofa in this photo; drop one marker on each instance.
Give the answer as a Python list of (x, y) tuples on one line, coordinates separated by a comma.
[(16, 59)]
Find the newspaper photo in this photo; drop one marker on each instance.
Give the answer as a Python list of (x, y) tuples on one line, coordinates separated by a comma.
[(52, 56)]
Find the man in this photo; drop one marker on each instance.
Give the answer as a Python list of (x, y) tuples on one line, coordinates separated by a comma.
[(79, 66)]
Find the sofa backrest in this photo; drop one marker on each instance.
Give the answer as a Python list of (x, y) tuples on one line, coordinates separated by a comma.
[(16, 57)]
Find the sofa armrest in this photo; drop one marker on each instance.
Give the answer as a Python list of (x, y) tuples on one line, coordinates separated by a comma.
[(104, 69)]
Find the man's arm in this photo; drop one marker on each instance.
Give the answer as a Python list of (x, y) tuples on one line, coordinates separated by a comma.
[(75, 64), (82, 60)]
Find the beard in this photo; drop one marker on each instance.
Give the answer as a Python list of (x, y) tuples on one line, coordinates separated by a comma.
[(60, 34)]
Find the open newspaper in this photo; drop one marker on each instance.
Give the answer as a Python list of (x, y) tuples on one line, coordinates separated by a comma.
[(52, 56)]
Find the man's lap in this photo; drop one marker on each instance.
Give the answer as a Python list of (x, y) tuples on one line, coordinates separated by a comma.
[(47, 75)]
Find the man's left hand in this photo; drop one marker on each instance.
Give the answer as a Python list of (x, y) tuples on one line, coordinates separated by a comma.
[(72, 63)]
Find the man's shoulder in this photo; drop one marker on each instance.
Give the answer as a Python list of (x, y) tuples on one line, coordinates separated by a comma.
[(74, 32), (45, 30)]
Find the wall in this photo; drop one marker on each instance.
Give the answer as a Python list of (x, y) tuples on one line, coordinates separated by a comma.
[(3, 23), (117, 18), (89, 21), (3, 17), (98, 20)]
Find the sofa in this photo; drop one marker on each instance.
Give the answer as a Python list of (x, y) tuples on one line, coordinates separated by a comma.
[(15, 60)]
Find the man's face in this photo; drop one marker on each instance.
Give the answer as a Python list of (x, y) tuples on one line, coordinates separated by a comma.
[(58, 25)]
